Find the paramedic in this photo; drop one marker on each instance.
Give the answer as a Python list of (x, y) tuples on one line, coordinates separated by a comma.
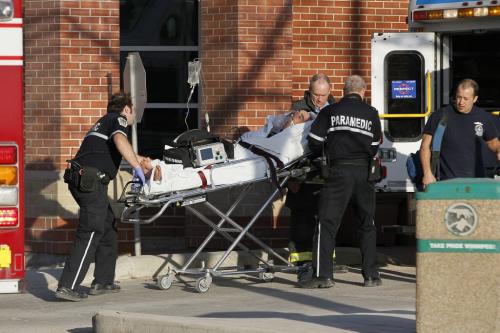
[(302, 197), (351, 132), (466, 128), (95, 164)]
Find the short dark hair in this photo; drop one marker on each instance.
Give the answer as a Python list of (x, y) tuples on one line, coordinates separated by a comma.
[(118, 101), (468, 83), (317, 77)]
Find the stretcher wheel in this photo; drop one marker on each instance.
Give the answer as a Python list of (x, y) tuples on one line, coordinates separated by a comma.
[(165, 281), (266, 276), (203, 284)]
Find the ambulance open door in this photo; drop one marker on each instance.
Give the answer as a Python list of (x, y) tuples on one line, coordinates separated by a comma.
[(404, 75)]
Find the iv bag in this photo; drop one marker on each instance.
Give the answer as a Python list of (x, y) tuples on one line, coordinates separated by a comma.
[(194, 68)]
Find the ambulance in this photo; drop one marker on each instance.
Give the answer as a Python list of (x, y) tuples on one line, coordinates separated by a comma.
[(415, 73)]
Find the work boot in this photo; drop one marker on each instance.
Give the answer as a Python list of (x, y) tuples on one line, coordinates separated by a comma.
[(99, 289), (373, 282), (68, 294), (317, 283)]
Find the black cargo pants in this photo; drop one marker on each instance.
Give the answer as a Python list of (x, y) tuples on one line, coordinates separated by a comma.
[(95, 239), (345, 182)]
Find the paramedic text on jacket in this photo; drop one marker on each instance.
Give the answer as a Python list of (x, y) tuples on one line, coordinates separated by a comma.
[(351, 133)]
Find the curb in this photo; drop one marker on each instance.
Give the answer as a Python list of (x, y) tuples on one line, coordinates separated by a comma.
[(108, 321)]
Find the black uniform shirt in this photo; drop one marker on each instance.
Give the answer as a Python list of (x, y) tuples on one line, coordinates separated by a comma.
[(350, 127), (98, 149)]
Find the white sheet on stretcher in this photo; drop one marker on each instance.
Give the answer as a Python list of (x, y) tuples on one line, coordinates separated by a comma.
[(288, 145)]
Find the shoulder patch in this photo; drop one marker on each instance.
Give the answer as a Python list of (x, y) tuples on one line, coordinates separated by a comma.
[(122, 121)]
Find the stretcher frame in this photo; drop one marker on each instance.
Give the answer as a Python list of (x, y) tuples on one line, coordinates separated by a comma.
[(135, 202)]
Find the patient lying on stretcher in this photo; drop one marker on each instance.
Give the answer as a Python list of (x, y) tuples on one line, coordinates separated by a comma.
[(282, 136)]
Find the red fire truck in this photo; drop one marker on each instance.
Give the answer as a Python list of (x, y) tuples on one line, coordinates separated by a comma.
[(11, 147)]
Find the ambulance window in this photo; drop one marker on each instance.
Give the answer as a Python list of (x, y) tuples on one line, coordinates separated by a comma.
[(404, 71), (166, 35), (476, 57)]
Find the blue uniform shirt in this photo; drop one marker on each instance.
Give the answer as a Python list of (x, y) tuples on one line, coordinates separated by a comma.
[(464, 136)]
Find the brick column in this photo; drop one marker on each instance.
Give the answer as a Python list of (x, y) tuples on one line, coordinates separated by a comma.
[(247, 59), (246, 52), (72, 64)]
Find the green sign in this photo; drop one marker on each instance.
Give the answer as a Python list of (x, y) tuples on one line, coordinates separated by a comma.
[(458, 246)]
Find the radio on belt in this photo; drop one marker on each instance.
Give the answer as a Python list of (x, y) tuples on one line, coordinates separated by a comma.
[(209, 154)]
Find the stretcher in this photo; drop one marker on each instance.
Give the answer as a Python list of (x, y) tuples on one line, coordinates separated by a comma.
[(194, 201)]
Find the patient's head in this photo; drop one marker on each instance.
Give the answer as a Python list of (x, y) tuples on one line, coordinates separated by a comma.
[(297, 117), (301, 116)]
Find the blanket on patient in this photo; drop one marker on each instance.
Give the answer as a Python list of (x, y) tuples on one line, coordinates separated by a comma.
[(287, 145)]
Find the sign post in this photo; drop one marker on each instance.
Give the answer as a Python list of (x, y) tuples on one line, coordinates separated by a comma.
[(134, 82)]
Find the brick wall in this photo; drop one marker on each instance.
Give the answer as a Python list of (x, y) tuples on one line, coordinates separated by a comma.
[(247, 57), (259, 55), (71, 66), (247, 60), (334, 37), (72, 63)]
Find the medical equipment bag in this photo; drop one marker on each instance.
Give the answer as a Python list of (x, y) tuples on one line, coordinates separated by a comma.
[(195, 148)]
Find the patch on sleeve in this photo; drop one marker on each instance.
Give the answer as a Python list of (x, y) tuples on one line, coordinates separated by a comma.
[(122, 121)]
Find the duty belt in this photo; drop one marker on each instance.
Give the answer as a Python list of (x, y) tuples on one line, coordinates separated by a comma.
[(356, 161), (75, 171)]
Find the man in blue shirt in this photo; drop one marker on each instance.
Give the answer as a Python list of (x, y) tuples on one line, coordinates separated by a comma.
[(467, 128)]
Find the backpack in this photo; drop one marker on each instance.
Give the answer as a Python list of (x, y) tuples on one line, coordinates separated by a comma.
[(413, 163), (194, 137), (180, 150)]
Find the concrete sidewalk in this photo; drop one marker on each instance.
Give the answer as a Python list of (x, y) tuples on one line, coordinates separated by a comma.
[(241, 303), (152, 266)]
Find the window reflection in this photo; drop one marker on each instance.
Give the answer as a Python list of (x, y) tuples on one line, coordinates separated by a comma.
[(404, 68), (160, 126), (165, 33), (158, 22), (477, 57), (166, 74)]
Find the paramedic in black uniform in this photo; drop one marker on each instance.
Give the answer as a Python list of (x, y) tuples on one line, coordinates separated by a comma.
[(96, 237), (352, 131)]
